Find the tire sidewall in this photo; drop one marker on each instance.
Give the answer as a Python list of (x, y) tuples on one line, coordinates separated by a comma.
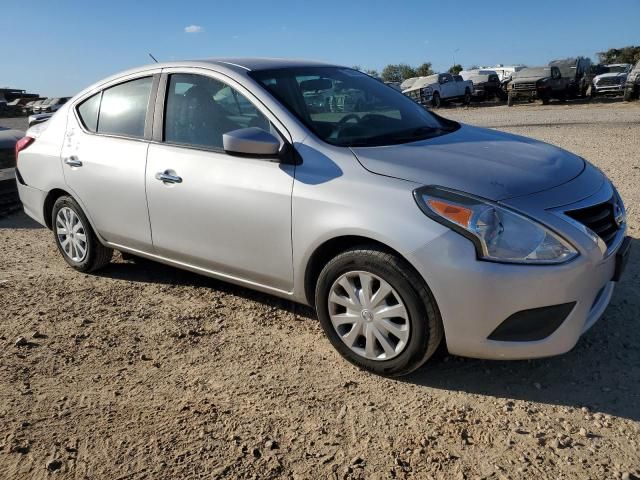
[(87, 262), (417, 345)]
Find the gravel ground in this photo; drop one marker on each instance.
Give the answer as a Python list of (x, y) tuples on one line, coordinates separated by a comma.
[(144, 371)]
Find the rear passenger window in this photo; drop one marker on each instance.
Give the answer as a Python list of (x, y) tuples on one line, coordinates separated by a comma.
[(124, 108), (88, 112)]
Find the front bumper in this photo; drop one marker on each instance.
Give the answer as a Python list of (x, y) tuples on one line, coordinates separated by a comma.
[(475, 297), (604, 89)]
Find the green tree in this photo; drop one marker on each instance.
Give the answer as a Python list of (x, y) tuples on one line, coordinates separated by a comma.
[(371, 71), (456, 69), (397, 72), (424, 70), (630, 54)]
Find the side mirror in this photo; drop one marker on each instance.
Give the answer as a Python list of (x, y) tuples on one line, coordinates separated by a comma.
[(252, 142)]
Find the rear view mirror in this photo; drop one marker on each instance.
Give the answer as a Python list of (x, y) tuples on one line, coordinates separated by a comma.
[(251, 141), (316, 85)]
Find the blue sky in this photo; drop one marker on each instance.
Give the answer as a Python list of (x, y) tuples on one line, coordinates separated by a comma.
[(59, 47)]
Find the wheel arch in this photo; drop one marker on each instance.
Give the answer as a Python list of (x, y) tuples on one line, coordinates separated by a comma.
[(330, 248), (49, 201)]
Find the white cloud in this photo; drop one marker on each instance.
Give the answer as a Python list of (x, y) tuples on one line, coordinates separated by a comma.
[(194, 29)]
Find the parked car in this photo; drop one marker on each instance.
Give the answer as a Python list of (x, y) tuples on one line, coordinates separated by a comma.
[(53, 105), (15, 107), (436, 89), (612, 81), (632, 86), (39, 104), (399, 226), (486, 84), (579, 73), (27, 109), (534, 83)]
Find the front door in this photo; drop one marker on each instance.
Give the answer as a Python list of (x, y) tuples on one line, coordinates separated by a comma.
[(223, 213), (104, 157)]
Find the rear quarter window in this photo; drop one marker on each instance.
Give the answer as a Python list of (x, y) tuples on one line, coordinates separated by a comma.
[(123, 109), (88, 112)]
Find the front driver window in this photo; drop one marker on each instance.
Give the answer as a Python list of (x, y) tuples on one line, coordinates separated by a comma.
[(201, 109)]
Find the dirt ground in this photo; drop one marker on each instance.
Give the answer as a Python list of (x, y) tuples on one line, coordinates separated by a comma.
[(145, 371)]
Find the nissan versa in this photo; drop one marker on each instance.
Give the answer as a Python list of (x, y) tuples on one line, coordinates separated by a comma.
[(323, 185)]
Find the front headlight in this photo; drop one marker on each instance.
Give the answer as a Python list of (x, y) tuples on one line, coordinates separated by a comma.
[(499, 234)]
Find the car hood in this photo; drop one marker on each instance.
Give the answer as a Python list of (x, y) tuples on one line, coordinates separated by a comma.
[(487, 163)]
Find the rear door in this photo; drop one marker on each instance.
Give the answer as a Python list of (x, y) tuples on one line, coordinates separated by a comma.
[(104, 159), (223, 213)]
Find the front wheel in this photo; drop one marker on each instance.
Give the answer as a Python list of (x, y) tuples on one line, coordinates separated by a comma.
[(436, 101), (377, 312), (75, 238), (628, 95), (510, 99), (467, 97)]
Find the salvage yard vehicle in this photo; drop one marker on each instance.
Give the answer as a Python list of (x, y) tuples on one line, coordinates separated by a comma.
[(399, 226), (579, 73), (611, 81), (436, 89), (39, 104), (534, 83), (53, 105), (632, 86), (486, 84)]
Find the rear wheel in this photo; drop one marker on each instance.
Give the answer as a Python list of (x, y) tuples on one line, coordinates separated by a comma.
[(75, 238), (377, 312)]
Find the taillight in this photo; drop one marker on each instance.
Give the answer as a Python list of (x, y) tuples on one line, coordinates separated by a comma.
[(23, 143)]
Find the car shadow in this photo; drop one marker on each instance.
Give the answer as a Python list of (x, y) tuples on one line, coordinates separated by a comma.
[(18, 220), (141, 270), (601, 373)]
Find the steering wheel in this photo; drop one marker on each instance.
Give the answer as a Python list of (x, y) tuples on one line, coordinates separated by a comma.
[(347, 118)]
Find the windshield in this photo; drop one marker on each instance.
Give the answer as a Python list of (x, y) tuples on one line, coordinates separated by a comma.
[(348, 108), (618, 68), (533, 73)]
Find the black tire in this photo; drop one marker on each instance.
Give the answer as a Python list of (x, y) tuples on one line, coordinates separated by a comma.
[(426, 329), (510, 99), (97, 255), (467, 97), (545, 99), (436, 101), (629, 95)]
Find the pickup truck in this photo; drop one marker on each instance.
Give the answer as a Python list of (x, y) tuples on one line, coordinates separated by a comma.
[(632, 87), (542, 83), (434, 90)]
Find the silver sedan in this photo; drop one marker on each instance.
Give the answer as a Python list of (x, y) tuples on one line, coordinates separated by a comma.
[(320, 184)]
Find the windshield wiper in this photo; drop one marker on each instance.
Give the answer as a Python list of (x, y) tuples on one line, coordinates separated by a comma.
[(415, 134)]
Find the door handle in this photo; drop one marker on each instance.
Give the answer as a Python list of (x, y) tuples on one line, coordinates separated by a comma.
[(168, 177), (73, 161)]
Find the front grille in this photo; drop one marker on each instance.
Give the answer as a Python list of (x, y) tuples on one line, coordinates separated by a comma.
[(608, 81), (524, 86), (598, 218), (416, 95)]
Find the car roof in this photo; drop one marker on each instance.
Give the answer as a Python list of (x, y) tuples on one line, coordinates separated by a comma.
[(247, 63)]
